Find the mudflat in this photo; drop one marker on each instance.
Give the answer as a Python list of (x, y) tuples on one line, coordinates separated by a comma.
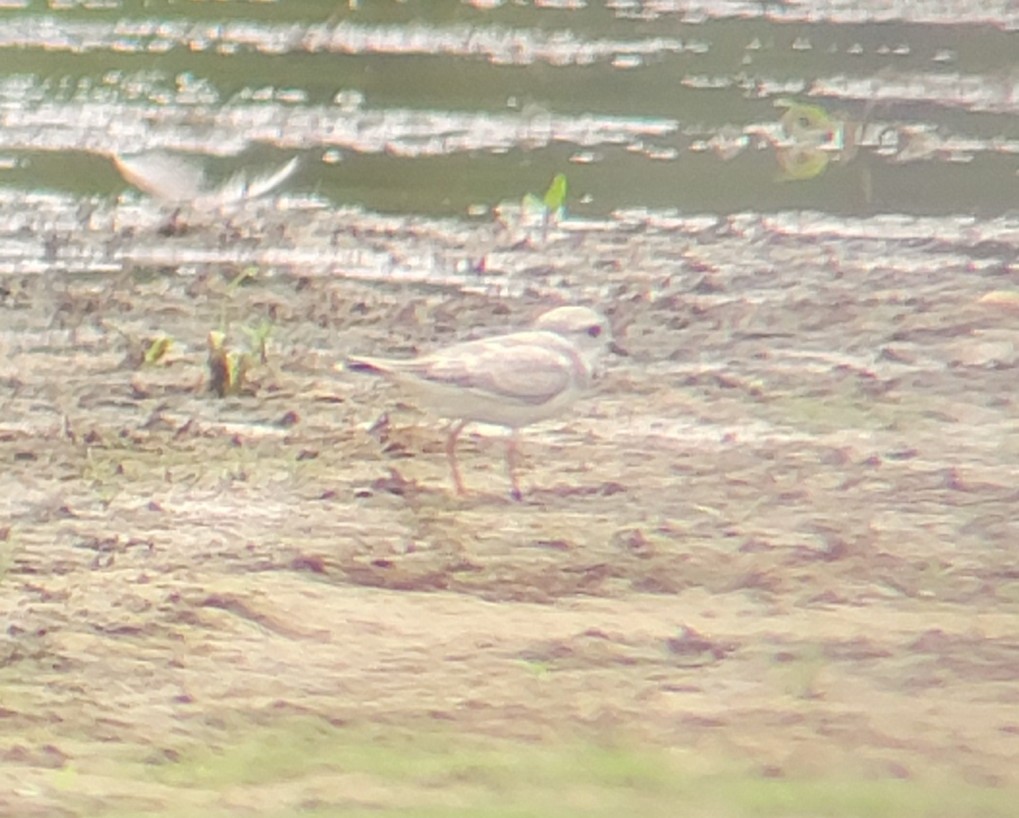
[(775, 545)]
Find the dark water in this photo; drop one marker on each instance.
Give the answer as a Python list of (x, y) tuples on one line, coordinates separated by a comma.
[(448, 108)]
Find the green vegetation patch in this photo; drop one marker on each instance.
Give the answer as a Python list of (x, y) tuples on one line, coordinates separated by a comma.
[(308, 767)]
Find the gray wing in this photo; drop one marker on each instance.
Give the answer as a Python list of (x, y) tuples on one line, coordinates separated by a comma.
[(520, 369)]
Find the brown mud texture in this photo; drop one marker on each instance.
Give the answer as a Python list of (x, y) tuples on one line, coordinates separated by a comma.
[(782, 529)]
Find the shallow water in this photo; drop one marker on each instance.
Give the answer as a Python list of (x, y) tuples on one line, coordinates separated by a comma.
[(446, 108)]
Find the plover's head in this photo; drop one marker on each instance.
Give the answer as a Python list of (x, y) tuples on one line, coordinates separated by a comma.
[(589, 331)]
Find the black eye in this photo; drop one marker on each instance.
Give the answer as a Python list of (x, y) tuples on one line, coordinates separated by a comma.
[(594, 330)]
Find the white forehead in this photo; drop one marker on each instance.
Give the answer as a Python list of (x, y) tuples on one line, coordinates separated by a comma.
[(568, 320)]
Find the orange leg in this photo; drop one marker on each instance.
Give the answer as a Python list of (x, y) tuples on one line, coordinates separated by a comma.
[(454, 435), (511, 465)]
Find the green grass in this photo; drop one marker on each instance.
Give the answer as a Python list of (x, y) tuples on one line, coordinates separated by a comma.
[(309, 768)]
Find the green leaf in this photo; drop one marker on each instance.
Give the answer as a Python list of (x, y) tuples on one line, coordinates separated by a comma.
[(555, 196), (801, 120), (799, 163), (157, 350)]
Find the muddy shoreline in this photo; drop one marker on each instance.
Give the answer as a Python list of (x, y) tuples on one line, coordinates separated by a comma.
[(780, 532)]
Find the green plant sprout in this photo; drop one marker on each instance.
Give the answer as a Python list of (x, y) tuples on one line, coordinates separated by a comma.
[(157, 350), (227, 368), (258, 339), (812, 136), (551, 206)]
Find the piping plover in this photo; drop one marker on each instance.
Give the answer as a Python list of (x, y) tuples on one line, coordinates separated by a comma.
[(508, 380)]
